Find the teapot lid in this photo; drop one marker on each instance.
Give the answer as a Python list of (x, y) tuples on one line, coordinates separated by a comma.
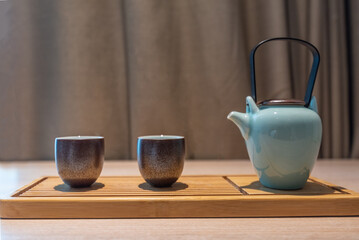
[(271, 102)]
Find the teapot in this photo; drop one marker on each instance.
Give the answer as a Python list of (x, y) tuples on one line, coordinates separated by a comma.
[(282, 136)]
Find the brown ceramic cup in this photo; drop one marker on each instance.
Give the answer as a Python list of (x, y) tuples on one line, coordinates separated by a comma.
[(79, 160), (161, 159)]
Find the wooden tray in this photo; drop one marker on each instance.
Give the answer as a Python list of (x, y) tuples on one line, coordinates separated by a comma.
[(191, 196)]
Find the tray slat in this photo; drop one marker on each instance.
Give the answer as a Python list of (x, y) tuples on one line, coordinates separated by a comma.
[(191, 196), (133, 186), (252, 186)]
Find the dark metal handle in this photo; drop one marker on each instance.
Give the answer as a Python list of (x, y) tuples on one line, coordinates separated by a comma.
[(313, 72)]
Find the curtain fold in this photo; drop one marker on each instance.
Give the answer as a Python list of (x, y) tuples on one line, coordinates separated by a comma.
[(353, 51), (128, 68)]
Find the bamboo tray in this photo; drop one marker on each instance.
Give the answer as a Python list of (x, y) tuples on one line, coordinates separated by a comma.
[(191, 196)]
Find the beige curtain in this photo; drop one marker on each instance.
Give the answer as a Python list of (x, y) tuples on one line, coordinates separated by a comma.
[(122, 69)]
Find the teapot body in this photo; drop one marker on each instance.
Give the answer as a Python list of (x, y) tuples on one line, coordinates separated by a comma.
[(283, 144)]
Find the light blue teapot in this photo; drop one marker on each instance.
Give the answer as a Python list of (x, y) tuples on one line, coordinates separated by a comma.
[(283, 137)]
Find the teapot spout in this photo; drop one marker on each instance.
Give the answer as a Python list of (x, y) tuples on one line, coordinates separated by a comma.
[(242, 122)]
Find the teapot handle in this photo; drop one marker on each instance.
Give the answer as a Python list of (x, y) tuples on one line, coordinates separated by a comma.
[(313, 72)]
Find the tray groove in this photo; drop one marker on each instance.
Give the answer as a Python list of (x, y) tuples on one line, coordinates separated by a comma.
[(235, 185)]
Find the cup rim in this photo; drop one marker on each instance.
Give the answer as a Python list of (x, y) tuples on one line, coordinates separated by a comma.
[(79, 138), (160, 137)]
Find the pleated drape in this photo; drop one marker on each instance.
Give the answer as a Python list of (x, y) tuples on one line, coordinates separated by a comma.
[(128, 68)]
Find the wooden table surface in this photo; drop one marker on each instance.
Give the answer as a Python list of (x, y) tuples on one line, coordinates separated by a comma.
[(342, 172)]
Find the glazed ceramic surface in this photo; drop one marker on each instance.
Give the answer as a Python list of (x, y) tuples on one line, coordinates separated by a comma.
[(282, 141), (79, 160), (161, 159)]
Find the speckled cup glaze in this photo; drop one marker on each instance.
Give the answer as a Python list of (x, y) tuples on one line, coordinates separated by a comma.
[(79, 160), (161, 159)]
